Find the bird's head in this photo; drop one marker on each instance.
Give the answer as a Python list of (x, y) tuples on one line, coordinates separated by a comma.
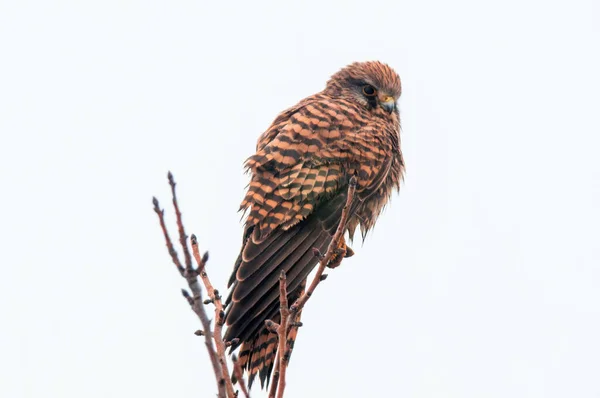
[(372, 84)]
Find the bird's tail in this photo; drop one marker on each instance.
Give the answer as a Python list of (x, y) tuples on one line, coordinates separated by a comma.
[(257, 354)]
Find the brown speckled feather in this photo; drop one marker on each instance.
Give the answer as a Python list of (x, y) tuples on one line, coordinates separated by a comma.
[(300, 175)]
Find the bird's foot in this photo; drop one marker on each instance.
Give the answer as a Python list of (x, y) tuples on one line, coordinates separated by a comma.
[(342, 251)]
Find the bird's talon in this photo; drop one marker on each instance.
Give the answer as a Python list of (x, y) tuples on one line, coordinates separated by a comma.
[(349, 252)]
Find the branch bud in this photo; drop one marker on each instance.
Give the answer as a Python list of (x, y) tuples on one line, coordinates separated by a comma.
[(317, 253), (187, 296), (271, 326)]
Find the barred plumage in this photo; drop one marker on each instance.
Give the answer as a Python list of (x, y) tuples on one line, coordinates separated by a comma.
[(300, 175)]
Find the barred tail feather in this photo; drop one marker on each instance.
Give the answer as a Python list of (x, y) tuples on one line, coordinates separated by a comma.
[(257, 354)]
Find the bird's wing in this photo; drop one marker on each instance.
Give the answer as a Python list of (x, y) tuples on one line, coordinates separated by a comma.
[(295, 200)]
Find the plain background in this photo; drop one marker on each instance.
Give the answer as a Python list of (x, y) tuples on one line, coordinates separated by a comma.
[(481, 278)]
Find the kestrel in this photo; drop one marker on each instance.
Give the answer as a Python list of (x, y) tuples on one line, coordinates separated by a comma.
[(300, 176)]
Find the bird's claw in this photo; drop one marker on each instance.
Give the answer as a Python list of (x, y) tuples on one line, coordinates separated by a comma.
[(342, 251)]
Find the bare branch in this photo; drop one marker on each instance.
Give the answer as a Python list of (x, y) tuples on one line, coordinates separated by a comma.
[(239, 375), (333, 247), (172, 252), (182, 235), (289, 316), (215, 298), (282, 331), (274, 378), (191, 276)]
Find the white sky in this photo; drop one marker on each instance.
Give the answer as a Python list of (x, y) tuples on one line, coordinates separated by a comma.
[(481, 280)]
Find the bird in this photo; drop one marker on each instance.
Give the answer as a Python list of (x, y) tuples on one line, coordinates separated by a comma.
[(300, 174)]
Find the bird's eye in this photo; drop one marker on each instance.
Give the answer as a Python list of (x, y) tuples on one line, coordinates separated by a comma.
[(369, 90)]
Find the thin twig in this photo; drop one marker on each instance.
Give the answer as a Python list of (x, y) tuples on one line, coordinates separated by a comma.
[(161, 218), (293, 325), (239, 375), (282, 331), (333, 246), (284, 350), (215, 297), (182, 235), (195, 300), (275, 378)]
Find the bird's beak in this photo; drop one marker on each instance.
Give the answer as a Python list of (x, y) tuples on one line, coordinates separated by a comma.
[(388, 103)]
